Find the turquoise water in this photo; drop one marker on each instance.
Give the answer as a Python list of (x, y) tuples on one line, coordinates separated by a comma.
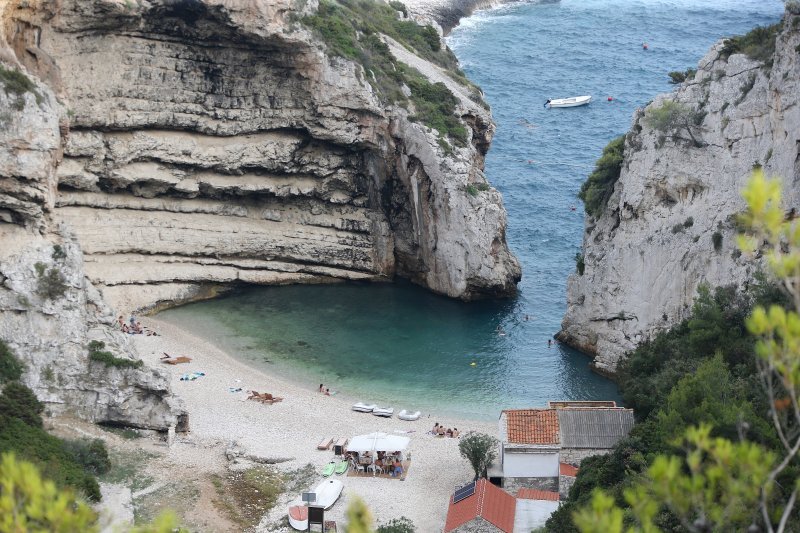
[(401, 345)]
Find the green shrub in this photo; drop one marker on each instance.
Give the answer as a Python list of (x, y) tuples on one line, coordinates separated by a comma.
[(397, 525), (399, 6), (757, 44), (19, 402), (16, 84), (10, 367), (96, 353), (677, 76), (435, 106), (673, 118), (48, 453), (472, 190), (580, 265), (716, 239), (91, 454), (598, 187), (50, 283)]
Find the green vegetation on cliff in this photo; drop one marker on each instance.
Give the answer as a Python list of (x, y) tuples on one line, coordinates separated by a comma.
[(701, 371), (353, 29), (596, 190), (757, 44)]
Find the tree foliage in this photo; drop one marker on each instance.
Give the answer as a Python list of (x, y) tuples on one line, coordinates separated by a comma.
[(596, 190), (29, 503), (673, 119), (480, 450), (10, 367)]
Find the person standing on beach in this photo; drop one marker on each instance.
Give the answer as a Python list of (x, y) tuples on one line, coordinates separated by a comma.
[(320, 388)]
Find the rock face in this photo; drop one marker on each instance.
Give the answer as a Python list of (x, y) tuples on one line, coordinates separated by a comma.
[(49, 311), (213, 143), (167, 149), (670, 223)]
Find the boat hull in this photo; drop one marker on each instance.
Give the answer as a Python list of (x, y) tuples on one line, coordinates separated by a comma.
[(570, 102), (409, 416), (385, 412), (328, 492), (298, 517), (363, 408)]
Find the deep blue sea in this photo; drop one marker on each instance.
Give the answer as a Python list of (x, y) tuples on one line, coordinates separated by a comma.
[(400, 345)]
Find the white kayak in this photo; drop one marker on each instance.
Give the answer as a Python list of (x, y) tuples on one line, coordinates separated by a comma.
[(364, 407), (408, 415), (328, 492), (574, 101), (383, 411)]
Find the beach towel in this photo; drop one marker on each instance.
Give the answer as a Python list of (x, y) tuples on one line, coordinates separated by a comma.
[(191, 376)]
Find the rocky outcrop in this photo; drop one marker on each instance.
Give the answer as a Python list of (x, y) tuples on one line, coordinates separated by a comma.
[(670, 223), (49, 311), (212, 143), (448, 13)]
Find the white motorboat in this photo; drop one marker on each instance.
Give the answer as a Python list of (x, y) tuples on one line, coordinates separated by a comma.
[(298, 516), (362, 407), (328, 492), (573, 101), (408, 415), (383, 411)]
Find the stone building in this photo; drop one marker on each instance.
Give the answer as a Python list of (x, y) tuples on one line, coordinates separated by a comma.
[(538, 445)]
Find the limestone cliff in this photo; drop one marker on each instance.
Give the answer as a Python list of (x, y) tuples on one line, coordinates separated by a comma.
[(49, 311), (669, 224), (214, 142)]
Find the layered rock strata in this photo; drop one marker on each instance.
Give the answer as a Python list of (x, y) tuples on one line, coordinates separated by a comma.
[(670, 223), (49, 310), (213, 142)]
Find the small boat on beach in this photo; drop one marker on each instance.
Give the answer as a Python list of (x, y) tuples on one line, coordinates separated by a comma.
[(298, 517), (408, 415), (386, 412), (573, 101), (362, 407), (328, 492)]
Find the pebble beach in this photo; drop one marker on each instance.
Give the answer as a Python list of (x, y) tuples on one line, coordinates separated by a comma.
[(288, 432)]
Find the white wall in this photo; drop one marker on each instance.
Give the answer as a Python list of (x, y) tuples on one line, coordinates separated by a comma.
[(530, 464)]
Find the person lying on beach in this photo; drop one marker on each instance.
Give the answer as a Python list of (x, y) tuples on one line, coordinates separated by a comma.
[(441, 431), (435, 430), (264, 397), (449, 432)]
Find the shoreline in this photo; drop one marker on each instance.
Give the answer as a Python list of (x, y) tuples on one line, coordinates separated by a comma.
[(448, 13), (291, 429)]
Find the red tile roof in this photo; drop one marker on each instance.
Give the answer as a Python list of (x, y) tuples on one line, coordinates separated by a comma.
[(534, 494), (532, 426), (565, 469), (489, 502)]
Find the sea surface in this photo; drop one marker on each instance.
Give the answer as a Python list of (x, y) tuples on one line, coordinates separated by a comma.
[(402, 346)]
